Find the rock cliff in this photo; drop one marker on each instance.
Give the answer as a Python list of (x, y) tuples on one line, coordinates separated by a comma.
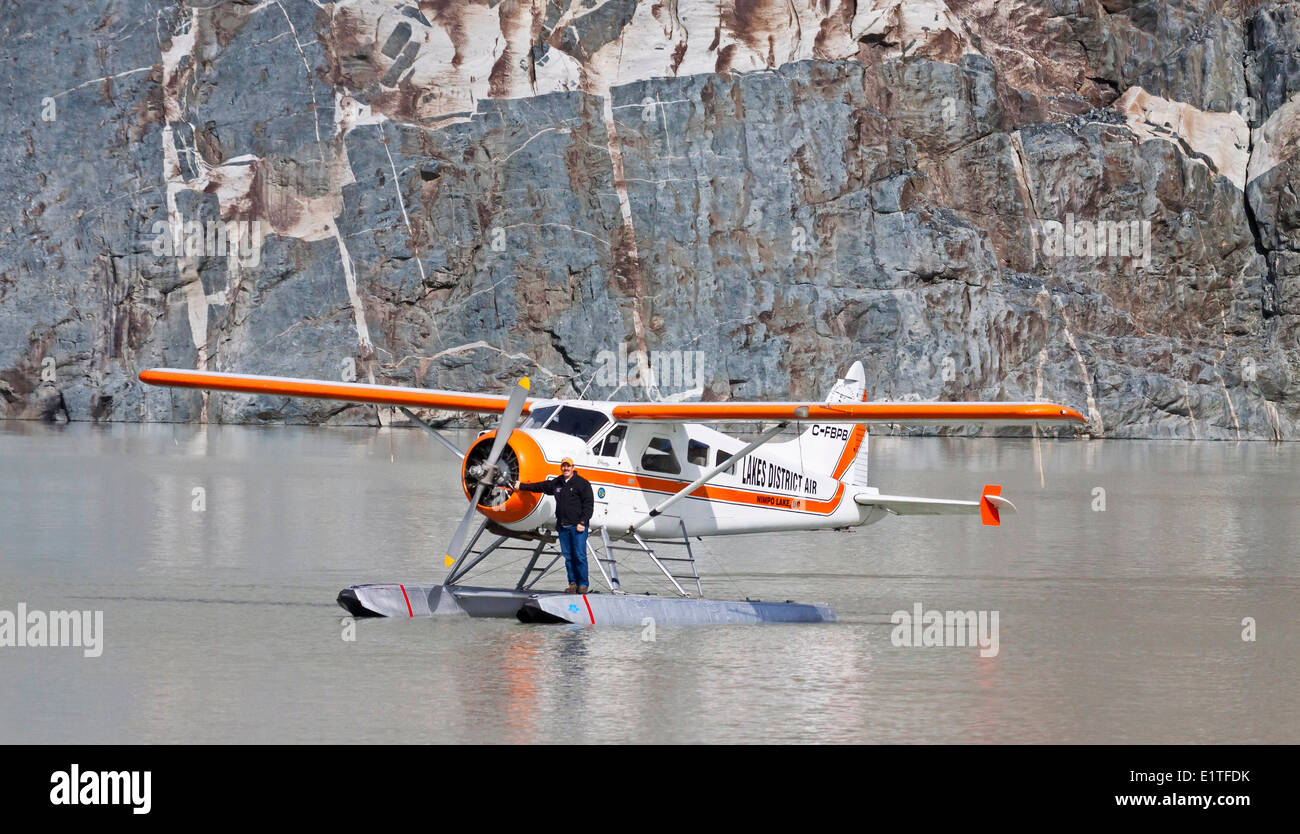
[(1090, 202)]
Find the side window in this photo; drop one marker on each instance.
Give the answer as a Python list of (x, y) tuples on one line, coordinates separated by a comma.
[(613, 442), (720, 456), (659, 457), (538, 417), (697, 453)]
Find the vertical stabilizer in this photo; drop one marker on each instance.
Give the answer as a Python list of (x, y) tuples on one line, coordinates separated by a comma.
[(836, 448)]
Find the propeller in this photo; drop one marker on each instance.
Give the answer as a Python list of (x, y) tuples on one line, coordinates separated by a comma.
[(505, 428)]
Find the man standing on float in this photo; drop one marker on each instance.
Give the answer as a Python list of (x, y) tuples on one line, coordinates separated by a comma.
[(574, 505)]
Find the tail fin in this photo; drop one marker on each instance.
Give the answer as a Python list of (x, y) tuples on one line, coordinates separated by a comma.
[(832, 448), (991, 505)]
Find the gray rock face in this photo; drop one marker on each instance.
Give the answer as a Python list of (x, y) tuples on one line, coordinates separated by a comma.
[(1188, 51), (1092, 203)]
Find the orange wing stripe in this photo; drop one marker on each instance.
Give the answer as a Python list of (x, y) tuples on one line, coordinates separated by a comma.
[(347, 391), (875, 412)]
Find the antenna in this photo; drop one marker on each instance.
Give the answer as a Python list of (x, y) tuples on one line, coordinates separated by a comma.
[(582, 395)]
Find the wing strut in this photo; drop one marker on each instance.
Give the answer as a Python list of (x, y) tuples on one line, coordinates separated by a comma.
[(437, 435)]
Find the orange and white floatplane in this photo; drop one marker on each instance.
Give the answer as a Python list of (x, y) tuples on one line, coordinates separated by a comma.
[(661, 475)]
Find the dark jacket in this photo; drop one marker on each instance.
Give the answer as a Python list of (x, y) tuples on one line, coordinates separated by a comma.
[(574, 502)]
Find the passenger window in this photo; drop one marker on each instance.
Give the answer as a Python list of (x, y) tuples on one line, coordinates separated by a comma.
[(613, 442), (697, 453), (722, 455), (659, 457)]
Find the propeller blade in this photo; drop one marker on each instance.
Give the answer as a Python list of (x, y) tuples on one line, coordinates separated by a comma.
[(505, 428), (509, 417), (458, 539)]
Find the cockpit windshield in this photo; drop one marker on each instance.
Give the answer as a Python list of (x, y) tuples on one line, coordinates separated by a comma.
[(582, 423)]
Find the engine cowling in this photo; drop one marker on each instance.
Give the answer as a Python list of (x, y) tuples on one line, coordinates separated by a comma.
[(522, 460)]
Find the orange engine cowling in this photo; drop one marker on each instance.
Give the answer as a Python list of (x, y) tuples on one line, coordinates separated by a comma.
[(521, 460)]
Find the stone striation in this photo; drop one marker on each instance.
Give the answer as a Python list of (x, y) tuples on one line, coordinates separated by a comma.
[(1090, 202)]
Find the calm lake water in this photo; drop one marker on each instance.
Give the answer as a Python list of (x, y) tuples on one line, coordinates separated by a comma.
[(1122, 625)]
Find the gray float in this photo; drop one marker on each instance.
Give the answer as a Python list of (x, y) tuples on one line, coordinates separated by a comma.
[(630, 610), (531, 606)]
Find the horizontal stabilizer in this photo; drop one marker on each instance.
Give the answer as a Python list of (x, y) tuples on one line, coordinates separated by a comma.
[(988, 507)]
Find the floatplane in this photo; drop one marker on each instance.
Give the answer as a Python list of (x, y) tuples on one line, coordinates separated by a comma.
[(661, 475)]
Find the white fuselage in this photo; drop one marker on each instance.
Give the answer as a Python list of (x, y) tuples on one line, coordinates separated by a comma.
[(769, 489)]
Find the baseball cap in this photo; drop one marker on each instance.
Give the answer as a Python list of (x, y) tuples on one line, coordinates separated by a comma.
[(566, 460)]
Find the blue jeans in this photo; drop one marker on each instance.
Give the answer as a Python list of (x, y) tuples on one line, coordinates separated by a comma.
[(574, 547)]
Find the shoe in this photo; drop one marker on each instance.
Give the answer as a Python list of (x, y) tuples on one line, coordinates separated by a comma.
[(572, 589), (582, 589)]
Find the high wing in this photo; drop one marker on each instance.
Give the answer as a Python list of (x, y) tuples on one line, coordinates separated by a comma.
[(356, 392), (911, 413)]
